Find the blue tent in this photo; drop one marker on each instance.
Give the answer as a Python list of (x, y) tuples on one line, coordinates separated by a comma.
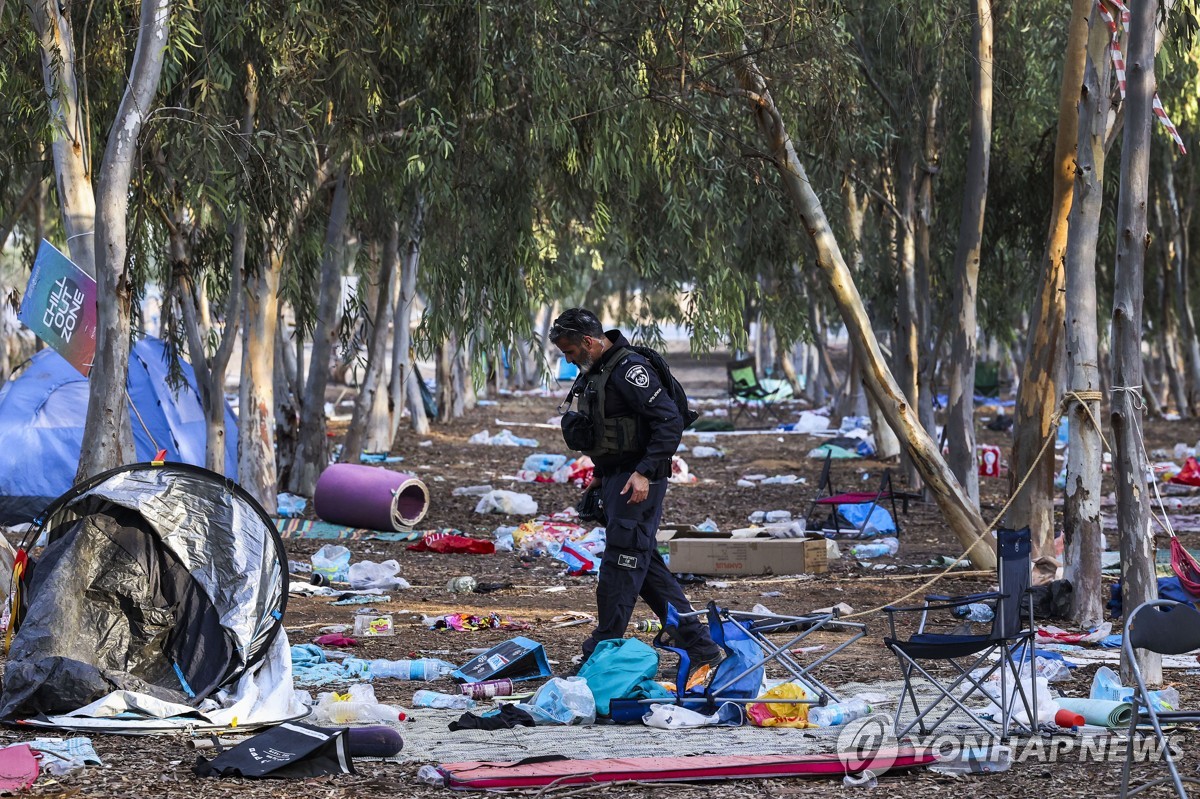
[(41, 425)]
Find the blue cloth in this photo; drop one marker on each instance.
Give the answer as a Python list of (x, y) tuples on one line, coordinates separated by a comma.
[(880, 520), (617, 669), (1113, 641), (1168, 588)]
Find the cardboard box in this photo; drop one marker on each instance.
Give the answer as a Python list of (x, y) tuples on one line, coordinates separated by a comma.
[(748, 556)]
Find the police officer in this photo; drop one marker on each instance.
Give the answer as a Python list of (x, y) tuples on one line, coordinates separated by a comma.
[(630, 427)]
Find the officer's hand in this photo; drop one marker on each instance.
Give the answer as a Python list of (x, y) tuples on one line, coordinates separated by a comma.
[(638, 488)]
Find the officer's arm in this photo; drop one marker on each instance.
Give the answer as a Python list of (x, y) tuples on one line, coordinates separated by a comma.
[(652, 402)]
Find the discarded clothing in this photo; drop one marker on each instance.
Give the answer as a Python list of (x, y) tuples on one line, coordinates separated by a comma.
[(335, 639), (362, 599), (61, 757), (507, 717)]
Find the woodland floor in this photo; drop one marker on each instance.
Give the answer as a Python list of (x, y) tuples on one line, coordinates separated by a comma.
[(161, 766)]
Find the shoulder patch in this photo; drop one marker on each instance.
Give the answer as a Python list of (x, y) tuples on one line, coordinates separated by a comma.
[(638, 376)]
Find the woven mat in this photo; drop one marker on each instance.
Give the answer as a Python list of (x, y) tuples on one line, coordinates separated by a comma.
[(324, 531), (427, 739)]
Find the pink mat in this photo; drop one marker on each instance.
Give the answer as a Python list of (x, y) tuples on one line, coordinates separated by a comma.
[(481, 775)]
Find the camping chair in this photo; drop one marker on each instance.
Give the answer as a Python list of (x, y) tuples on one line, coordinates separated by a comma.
[(1010, 641), (1168, 628), (747, 638), (748, 395), (827, 497), (987, 379)]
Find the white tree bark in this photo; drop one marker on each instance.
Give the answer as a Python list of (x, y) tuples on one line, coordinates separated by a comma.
[(405, 389), (961, 421), (70, 145), (107, 436), (962, 517)]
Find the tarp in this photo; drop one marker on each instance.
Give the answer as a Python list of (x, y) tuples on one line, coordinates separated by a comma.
[(532, 773), (42, 413), (161, 589)]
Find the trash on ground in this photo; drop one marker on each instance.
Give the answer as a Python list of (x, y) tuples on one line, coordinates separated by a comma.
[(504, 438), (507, 502)]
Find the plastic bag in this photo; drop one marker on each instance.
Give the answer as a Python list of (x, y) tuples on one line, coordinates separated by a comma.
[(507, 502), (1107, 685), (368, 574), (562, 701), (1046, 706), (782, 714), (674, 717), (332, 561)]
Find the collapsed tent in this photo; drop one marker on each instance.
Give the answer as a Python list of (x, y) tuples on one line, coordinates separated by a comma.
[(41, 425), (161, 589)]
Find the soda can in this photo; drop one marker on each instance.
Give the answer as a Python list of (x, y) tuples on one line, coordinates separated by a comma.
[(488, 689), (651, 626)]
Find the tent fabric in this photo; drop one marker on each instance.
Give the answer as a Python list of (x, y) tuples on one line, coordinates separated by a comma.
[(541, 771), (41, 423), (160, 589)]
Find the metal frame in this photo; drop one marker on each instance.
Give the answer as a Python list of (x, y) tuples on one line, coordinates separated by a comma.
[(1143, 707), (757, 626)]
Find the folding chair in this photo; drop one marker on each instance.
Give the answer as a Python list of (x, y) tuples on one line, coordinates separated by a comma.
[(1010, 641), (748, 395), (749, 646), (827, 497), (1169, 628)]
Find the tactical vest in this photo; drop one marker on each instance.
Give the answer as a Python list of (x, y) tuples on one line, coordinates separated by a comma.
[(614, 436)]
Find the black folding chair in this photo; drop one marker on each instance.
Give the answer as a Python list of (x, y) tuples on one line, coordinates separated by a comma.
[(1010, 641), (748, 395), (1168, 628)]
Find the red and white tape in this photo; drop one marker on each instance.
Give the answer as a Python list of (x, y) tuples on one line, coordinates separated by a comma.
[(1118, 59)]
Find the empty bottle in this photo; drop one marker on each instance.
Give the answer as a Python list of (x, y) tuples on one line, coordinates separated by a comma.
[(976, 611), (442, 701), (418, 669), (839, 713), (362, 712), (461, 585), (648, 626), (488, 689), (882, 548)]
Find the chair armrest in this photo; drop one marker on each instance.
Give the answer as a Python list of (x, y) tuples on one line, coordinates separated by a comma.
[(937, 602)]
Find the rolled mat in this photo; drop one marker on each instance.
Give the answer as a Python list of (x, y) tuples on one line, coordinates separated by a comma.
[(370, 496), (1100, 712)]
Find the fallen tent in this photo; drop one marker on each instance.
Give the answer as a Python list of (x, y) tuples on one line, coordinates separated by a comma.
[(41, 425), (538, 771), (156, 603)]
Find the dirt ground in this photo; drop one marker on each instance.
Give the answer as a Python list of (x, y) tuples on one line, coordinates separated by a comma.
[(160, 766)]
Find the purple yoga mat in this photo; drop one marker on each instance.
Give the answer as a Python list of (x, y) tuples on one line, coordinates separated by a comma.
[(370, 496)]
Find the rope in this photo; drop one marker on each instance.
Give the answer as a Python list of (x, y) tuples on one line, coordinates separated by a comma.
[(1083, 397), (149, 435)]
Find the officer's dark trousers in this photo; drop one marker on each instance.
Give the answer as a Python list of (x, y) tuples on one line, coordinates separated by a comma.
[(632, 567)]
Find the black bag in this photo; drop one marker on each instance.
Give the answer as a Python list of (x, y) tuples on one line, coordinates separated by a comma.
[(578, 431), (290, 750), (674, 389), (591, 507)]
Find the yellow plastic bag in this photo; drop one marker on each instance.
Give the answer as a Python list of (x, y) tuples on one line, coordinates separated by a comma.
[(782, 714)]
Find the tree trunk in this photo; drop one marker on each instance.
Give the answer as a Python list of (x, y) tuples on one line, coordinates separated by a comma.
[(907, 350), (1177, 254), (71, 144), (956, 507), (1138, 583), (312, 454), (369, 430), (107, 435), (405, 389), (788, 366), (445, 379), (923, 221), (1081, 510), (256, 414), (961, 420)]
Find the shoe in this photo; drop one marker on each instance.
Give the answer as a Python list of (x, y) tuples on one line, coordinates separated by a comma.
[(704, 669)]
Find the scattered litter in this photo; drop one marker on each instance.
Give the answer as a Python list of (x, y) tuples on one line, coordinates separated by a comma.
[(746, 484), (362, 599), (367, 574), (555, 589), (707, 452), (332, 562), (379, 457), (369, 626), (451, 541), (290, 505), (470, 491), (504, 438), (463, 622), (334, 639), (507, 502), (425, 444)]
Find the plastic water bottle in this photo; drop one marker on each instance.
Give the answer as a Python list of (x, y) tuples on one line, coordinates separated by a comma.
[(976, 611), (362, 712), (541, 462), (442, 701), (419, 669), (649, 626), (882, 548), (839, 713), (461, 585)]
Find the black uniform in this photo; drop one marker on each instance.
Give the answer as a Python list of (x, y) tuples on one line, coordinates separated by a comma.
[(631, 565)]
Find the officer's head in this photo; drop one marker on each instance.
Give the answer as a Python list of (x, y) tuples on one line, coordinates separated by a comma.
[(579, 336)]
